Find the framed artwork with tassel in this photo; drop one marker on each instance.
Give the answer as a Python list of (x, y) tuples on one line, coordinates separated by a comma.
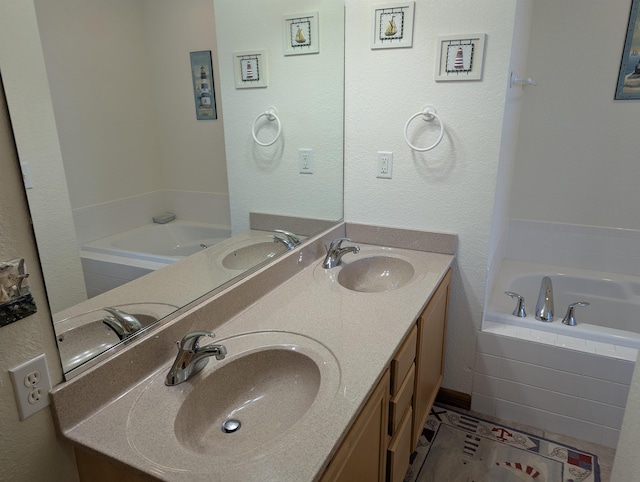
[(460, 57)]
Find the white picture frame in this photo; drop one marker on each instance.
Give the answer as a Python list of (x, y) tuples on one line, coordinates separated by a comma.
[(460, 57), (392, 25), (300, 34), (250, 69)]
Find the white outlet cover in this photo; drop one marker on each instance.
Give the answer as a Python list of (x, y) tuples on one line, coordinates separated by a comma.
[(23, 392)]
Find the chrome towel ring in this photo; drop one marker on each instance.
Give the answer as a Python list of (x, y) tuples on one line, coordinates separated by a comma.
[(428, 114), (271, 114)]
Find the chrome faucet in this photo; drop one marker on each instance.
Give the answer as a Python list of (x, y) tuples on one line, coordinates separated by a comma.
[(121, 322), (336, 252), (544, 306), (278, 238), (192, 357), (293, 239)]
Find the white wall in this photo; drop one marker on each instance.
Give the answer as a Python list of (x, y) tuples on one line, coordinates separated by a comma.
[(30, 448), (450, 188), (34, 128), (307, 90), (577, 147)]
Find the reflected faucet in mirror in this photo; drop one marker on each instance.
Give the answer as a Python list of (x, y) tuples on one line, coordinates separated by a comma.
[(124, 324), (287, 238)]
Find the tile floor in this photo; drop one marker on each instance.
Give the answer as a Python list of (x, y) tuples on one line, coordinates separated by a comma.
[(605, 454)]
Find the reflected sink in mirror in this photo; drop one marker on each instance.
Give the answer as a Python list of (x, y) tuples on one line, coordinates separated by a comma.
[(374, 269), (249, 256), (84, 337), (270, 382)]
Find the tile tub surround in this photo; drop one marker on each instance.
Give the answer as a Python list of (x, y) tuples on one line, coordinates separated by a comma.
[(562, 390), (362, 330)]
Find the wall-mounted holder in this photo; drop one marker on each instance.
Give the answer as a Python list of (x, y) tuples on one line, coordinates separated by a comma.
[(16, 301), (521, 81), (271, 114), (428, 114)]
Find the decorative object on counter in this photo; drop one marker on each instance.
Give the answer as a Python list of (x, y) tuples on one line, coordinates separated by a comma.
[(460, 57), (628, 86), (251, 69), (428, 114), (392, 25), (16, 301), (301, 34), (203, 88), (271, 114), (455, 445), (164, 218)]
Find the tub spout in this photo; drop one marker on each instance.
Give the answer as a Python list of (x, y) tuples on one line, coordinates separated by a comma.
[(544, 306)]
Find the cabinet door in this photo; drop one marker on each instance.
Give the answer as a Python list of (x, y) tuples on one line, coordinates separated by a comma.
[(430, 356), (362, 454)]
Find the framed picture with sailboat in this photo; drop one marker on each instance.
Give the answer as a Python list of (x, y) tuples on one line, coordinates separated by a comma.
[(628, 86), (301, 34), (392, 25)]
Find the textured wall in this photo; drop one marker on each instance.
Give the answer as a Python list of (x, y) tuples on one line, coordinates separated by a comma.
[(30, 450), (450, 188)]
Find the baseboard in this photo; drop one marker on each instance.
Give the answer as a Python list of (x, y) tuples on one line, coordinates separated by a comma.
[(454, 398)]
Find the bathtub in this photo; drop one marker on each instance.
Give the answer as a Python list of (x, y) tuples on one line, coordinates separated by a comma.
[(613, 316), (115, 260)]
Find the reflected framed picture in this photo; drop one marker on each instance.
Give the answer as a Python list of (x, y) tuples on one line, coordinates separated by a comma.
[(628, 86), (250, 69), (460, 57), (392, 25), (202, 81), (300, 34)]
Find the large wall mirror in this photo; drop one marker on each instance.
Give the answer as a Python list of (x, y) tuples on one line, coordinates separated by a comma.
[(122, 88)]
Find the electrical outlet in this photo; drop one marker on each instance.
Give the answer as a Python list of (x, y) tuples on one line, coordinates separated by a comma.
[(385, 164), (305, 161), (31, 385)]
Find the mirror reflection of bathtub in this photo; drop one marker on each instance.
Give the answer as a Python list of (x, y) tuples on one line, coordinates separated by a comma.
[(115, 260)]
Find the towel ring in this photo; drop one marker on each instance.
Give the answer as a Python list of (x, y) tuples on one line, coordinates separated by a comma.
[(271, 114), (428, 113)]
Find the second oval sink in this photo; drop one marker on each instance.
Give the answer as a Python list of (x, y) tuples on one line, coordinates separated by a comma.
[(251, 255), (376, 274)]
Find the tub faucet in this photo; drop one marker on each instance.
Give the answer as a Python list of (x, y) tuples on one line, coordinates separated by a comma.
[(544, 306), (336, 252), (192, 357), (121, 322)]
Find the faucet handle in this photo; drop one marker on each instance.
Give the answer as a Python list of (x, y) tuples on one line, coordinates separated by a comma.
[(519, 309), (292, 237), (569, 318), (189, 341), (336, 243)]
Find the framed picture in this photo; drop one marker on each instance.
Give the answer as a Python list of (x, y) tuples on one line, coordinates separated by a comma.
[(460, 57), (300, 34), (392, 25), (628, 86), (250, 69), (202, 81)]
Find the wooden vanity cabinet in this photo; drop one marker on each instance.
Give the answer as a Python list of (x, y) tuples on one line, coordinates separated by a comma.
[(362, 454)]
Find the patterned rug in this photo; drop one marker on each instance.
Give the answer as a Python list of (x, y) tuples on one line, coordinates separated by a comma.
[(457, 447)]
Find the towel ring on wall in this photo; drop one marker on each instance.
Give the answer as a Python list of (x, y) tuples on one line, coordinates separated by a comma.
[(428, 114), (271, 114)]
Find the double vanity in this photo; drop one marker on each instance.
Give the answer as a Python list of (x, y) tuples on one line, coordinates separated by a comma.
[(326, 374)]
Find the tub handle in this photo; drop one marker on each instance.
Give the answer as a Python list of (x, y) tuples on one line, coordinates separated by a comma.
[(569, 318), (519, 310)]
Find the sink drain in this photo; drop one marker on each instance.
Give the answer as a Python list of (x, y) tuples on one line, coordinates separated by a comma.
[(231, 425)]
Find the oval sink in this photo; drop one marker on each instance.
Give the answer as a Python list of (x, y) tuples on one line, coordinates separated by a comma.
[(375, 274), (271, 383), (266, 391), (252, 255)]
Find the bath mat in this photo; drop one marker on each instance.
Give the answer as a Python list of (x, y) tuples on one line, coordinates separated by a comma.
[(457, 447)]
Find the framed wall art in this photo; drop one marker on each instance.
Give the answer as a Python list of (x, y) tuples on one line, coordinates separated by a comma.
[(250, 69), (628, 86), (460, 57), (392, 25), (202, 81), (300, 34)]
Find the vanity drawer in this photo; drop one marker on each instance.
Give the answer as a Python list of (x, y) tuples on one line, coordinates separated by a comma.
[(403, 360), (402, 400), (399, 453)]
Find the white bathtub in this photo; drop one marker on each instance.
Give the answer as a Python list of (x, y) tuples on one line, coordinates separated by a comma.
[(115, 260), (612, 317)]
